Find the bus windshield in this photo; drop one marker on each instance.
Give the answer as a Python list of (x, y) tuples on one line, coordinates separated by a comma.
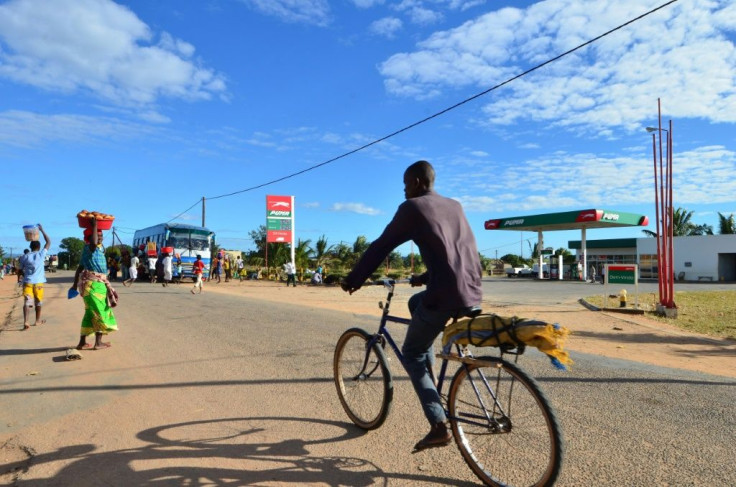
[(184, 241)]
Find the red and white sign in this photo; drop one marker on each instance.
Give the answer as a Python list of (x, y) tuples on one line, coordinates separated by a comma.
[(278, 209), (278, 206)]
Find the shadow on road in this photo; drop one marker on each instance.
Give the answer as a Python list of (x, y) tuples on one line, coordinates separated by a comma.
[(246, 451)]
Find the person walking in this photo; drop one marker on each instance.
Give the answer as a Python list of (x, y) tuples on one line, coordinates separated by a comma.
[(151, 267), (132, 271), (290, 270), (167, 269), (197, 270), (91, 282), (125, 265), (240, 268), (439, 227), (34, 277), (226, 267), (592, 274)]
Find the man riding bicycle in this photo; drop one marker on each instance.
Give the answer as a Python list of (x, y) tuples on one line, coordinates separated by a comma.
[(441, 231)]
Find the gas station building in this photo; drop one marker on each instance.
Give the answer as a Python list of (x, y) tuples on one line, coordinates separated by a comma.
[(696, 258)]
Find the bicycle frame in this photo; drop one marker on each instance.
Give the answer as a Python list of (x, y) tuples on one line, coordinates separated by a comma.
[(463, 357)]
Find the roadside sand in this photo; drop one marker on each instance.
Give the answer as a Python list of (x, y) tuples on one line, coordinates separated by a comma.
[(630, 337)]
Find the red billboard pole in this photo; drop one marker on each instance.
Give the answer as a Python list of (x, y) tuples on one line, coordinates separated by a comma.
[(665, 215)]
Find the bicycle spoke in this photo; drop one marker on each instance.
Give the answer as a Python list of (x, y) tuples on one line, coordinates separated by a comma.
[(504, 427), (362, 379)]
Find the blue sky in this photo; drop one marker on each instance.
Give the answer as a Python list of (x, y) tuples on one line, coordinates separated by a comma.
[(142, 108)]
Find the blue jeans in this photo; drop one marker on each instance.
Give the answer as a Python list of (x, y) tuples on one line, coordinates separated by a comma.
[(418, 353)]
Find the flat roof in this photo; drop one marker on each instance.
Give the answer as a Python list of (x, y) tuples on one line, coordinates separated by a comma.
[(569, 220), (610, 243)]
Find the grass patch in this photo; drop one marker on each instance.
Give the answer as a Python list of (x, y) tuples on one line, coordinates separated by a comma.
[(707, 312)]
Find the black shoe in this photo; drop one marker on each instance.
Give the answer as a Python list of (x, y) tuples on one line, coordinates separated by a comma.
[(437, 436)]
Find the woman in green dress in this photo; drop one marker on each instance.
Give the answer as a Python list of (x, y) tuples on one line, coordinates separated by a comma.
[(91, 282)]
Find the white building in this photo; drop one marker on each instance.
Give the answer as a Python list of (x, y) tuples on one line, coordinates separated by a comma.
[(696, 258)]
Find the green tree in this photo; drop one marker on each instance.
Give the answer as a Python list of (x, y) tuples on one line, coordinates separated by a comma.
[(567, 256), (726, 224), (302, 253), (682, 226), (513, 260), (360, 246), (259, 239), (321, 251), (72, 251), (2, 254), (342, 255)]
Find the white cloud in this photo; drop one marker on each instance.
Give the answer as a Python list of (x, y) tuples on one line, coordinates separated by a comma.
[(29, 130), (703, 175), (359, 208), (682, 53), (316, 12), (385, 27), (99, 47), (310, 204), (367, 3)]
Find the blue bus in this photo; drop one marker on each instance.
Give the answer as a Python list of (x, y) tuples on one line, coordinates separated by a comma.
[(188, 241)]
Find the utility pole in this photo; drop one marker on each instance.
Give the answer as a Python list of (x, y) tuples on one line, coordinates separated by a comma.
[(203, 212)]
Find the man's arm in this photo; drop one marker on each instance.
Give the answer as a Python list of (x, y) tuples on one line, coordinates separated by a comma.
[(398, 231), (45, 237)]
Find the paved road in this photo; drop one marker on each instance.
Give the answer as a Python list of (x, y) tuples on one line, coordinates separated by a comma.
[(546, 292), (211, 389)]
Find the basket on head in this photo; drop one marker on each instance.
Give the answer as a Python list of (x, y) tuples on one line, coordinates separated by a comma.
[(101, 224), (30, 232)]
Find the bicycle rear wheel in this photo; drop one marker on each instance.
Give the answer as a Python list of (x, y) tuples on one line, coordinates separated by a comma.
[(504, 426), (363, 379)]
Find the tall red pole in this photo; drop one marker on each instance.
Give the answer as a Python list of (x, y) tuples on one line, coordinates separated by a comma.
[(671, 303), (657, 219), (663, 298)]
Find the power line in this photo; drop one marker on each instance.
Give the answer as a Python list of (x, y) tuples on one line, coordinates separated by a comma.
[(442, 112), (180, 214)]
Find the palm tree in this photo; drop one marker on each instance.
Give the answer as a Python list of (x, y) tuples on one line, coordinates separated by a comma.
[(726, 225), (683, 227), (342, 254), (361, 245), (321, 251), (302, 251)]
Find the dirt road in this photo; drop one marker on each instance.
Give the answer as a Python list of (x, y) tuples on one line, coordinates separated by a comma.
[(234, 387)]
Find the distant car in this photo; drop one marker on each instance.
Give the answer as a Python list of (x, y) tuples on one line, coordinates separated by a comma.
[(516, 271)]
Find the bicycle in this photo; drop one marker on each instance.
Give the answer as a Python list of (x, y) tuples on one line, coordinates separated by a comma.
[(501, 421)]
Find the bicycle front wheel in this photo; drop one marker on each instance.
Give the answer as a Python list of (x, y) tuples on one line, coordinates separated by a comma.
[(362, 378), (503, 425)]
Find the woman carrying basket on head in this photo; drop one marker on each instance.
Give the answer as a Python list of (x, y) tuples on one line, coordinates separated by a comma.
[(91, 282)]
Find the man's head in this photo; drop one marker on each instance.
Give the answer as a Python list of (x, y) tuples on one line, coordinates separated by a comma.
[(199, 257), (418, 179), (35, 246)]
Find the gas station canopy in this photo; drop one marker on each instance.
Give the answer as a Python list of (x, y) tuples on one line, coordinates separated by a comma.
[(569, 220)]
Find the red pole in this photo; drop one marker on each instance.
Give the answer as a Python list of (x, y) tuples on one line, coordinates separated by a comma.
[(671, 303), (657, 218), (664, 298)]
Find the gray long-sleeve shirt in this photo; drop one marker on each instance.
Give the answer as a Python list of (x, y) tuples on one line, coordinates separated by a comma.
[(439, 228)]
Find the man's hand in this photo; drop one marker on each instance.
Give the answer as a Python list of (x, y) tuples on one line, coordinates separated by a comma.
[(346, 287), (415, 281)]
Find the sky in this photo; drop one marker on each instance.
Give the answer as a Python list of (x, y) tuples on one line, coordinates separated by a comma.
[(141, 109)]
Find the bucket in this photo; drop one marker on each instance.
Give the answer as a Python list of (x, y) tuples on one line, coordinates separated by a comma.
[(31, 232)]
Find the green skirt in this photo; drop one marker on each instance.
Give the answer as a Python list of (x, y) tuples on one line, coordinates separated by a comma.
[(98, 317)]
